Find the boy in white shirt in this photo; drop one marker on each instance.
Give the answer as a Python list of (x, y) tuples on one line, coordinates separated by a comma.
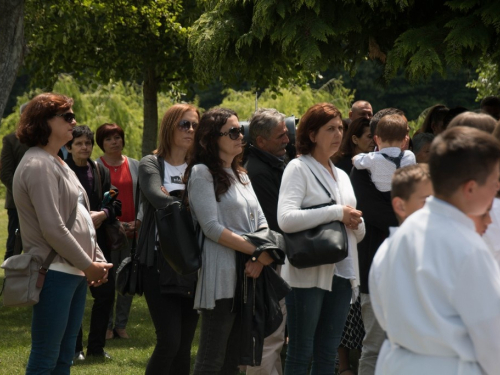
[(435, 287), (391, 135), (411, 185)]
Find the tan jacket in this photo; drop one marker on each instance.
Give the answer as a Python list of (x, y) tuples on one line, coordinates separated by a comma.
[(46, 192)]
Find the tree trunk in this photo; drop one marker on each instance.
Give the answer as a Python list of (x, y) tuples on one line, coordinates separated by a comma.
[(11, 46), (150, 95)]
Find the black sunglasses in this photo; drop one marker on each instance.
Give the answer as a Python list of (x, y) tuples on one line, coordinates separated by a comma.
[(234, 133), (185, 125), (69, 117)]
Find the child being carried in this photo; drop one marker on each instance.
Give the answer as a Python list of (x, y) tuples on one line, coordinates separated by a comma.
[(391, 136)]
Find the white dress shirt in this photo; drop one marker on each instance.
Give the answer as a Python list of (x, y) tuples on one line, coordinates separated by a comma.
[(381, 169), (435, 290)]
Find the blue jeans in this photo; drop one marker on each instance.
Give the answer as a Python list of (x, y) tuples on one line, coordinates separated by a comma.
[(55, 324), (316, 319)]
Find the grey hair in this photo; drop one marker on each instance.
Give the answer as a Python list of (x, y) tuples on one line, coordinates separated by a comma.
[(263, 122), (420, 140)]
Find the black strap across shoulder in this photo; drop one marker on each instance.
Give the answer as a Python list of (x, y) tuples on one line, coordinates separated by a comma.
[(394, 159), (323, 186)]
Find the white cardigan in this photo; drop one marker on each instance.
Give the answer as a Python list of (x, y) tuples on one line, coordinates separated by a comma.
[(299, 189)]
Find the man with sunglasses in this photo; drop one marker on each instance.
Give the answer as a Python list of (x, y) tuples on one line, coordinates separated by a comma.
[(265, 165)]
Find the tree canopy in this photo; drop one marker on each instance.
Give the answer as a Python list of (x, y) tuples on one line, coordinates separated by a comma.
[(273, 42), (141, 41)]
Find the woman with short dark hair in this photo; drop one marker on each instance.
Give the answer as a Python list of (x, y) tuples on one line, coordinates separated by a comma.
[(326, 290), (124, 173), (96, 181), (54, 215)]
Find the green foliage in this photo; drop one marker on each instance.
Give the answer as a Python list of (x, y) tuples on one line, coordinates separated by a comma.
[(488, 82), (272, 42), (290, 101), (115, 102)]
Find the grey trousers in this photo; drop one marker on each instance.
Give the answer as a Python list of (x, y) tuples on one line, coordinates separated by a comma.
[(374, 338)]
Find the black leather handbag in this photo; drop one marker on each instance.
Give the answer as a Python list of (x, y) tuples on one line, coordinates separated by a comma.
[(324, 244), (178, 239)]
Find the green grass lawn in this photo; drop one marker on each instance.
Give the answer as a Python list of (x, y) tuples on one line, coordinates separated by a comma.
[(129, 356)]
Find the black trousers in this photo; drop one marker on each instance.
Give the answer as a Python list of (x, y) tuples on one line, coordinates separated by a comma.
[(104, 298), (219, 348), (175, 324), (12, 225)]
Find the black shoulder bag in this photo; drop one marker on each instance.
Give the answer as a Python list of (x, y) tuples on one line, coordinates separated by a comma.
[(324, 244), (177, 237)]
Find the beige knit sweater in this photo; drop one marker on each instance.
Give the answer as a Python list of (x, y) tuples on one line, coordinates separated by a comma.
[(46, 192)]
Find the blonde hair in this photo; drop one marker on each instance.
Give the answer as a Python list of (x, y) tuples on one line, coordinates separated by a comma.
[(168, 124)]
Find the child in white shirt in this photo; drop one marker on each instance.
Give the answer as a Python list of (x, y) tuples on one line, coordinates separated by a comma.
[(390, 136)]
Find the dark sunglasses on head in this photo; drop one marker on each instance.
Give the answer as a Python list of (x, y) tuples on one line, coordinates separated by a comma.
[(185, 125), (68, 117), (234, 133)]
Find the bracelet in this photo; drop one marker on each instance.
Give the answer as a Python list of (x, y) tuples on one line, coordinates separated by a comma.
[(256, 254)]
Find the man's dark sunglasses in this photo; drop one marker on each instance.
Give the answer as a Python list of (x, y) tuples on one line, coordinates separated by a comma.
[(69, 117), (185, 125), (234, 133)]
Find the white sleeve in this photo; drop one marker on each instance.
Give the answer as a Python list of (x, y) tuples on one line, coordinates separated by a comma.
[(477, 300), (363, 161), (291, 218)]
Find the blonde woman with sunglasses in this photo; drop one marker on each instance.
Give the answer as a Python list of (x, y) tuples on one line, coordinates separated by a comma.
[(169, 296)]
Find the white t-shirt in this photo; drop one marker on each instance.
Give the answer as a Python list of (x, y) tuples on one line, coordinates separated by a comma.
[(173, 177)]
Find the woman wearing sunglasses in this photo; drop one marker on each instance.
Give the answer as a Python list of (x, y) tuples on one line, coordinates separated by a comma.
[(223, 202), (54, 215), (169, 296), (123, 172)]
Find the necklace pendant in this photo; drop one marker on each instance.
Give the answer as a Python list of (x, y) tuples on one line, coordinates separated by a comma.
[(251, 215)]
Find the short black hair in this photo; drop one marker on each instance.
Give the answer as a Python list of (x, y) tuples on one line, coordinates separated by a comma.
[(79, 131)]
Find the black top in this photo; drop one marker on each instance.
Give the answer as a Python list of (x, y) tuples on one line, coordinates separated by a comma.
[(95, 198), (378, 215), (345, 164), (265, 172)]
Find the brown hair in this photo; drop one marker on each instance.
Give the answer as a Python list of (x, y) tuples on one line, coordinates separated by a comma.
[(405, 180), (392, 128), (435, 114), (206, 151), (461, 154), (315, 117), (106, 130), (33, 128), (357, 127), (480, 121), (168, 125)]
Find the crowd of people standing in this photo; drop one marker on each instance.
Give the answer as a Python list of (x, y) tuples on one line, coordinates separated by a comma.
[(411, 298)]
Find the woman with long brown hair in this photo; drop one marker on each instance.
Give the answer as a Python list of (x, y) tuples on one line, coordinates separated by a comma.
[(224, 204)]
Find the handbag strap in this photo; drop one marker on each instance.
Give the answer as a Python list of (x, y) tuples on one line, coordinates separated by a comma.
[(133, 248), (183, 197), (319, 182), (99, 183)]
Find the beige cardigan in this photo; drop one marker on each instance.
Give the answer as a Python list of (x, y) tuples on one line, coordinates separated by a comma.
[(46, 193)]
